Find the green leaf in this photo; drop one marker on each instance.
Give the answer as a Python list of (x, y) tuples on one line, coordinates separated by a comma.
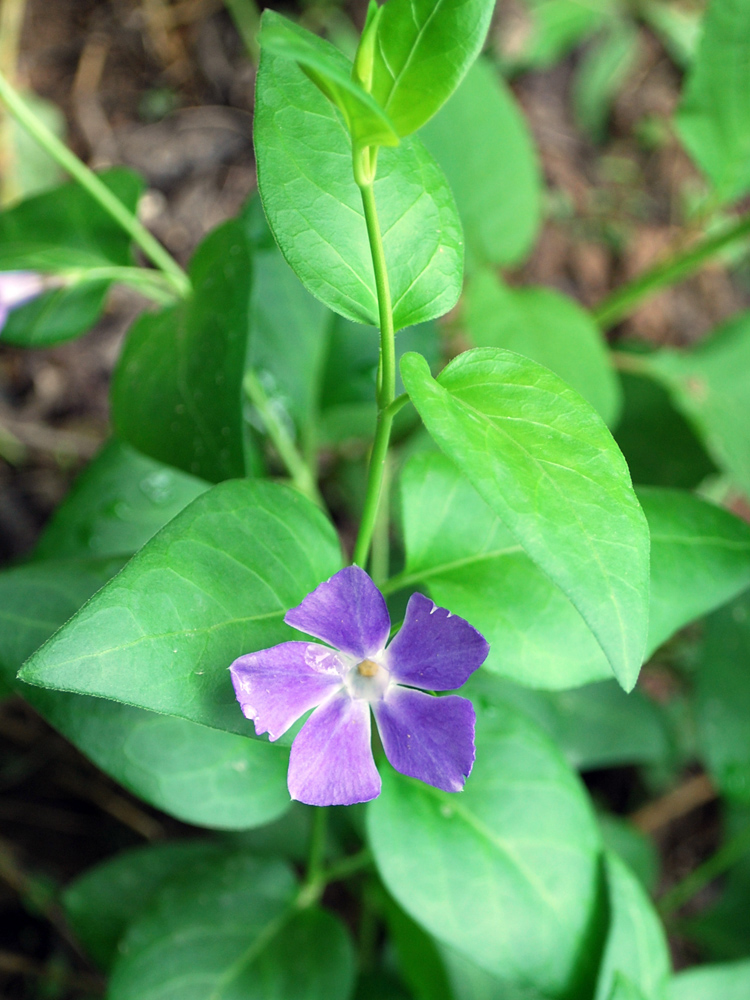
[(470, 982), (58, 315), (603, 71), (712, 982), (199, 775), (722, 693), (422, 50), (213, 584), (710, 384), (116, 505), (636, 944), (315, 211), (714, 117), (419, 960), (635, 848), (542, 458), (624, 989), (493, 168), (549, 328), (458, 548), (102, 902), (31, 170), (226, 929), (700, 559), (65, 228), (674, 457), (331, 72), (506, 872), (177, 388)]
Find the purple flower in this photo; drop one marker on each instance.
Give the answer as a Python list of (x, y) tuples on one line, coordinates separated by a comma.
[(16, 289), (425, 737)]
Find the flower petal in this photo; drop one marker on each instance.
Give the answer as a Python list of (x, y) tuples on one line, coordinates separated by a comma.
[(434, 649), (427, 737), (331, 762), (19, 287), (347, 611), (276, 686)]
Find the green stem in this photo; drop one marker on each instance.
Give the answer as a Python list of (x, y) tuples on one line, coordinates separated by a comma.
[(152, 284), (296, 466), (88, 180), (386, 388), (246, 19), (381, 549), (622, 301), (727, 856), (348, 866)]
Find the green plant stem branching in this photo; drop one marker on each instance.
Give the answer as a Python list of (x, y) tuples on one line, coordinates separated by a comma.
[(727, 856), (386, 387), (624, 300), (299, 471), (88, 180)]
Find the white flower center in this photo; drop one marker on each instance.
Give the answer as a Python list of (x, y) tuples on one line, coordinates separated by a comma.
[(367, 680)]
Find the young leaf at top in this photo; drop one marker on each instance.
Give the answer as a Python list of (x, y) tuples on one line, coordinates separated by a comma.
[(213, 584), (201, 776), (177, 389), (507, 872), (331, 72), (314, 206), (714, 117), (226, 928), (710, 384), (712, 982), (422, 50), (547, 327), (542, 458), (493, 170)]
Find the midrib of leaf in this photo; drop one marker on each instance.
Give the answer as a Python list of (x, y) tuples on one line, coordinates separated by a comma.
[(266, 936), (415, 576), (415, 45)]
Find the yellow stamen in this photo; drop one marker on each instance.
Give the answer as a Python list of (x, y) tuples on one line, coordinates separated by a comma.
[(367, 668)]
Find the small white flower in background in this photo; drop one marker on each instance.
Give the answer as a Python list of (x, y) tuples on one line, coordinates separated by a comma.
[(16, 289)]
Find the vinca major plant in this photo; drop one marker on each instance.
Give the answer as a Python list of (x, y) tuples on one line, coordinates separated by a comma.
[(214, 625)]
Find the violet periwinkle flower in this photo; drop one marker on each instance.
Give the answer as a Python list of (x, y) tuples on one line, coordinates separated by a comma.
[(425, 737), (16, 289)]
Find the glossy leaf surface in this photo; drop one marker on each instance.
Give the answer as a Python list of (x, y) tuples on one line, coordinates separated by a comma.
[(542, 458), (714, 118), (505, 872), (315, 209), (710, 384), (423, 48), (493, 170), (177, 389), (199, 775), (226, 929), (213, 584), (549, 328)]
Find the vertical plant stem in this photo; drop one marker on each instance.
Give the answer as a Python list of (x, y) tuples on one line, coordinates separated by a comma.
[(386, 388), (91, 183), (315, 878), (381, 550), (246, 19), (727, 856), (11, 22), (296, 466)]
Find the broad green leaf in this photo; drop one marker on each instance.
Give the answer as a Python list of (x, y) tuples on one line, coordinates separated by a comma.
[(31, 170), (331, 72), (116, 505), (674, 457), (482, 142), (470, 982), (636, 944), (58, 315), (422, 50), (213, 584), (227, 929), (458, 548), (714, 117), (347, 402), (419, 959), (722, 693), (549, 328), (505, 872), (177, 388), (314, 206), (65, 228), (544, 461), (712, 982), (677, 27), (710, 384), (202, 776), (700, 559), (102, 902), (603, 71)]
